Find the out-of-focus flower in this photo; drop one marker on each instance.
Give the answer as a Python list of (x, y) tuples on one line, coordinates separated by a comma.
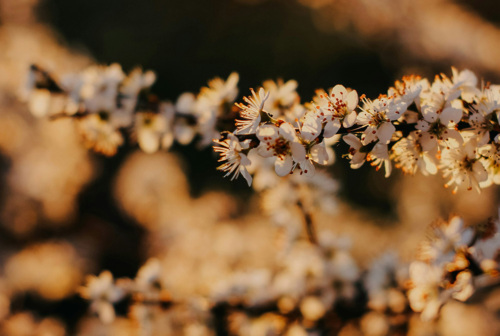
[(232, 151), (102, 292), (251, 113), (59, 264)]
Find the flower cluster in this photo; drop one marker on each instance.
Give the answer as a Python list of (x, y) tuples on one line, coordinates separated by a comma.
[(449, 125), (104, 102), (310, 284), (452, 264)]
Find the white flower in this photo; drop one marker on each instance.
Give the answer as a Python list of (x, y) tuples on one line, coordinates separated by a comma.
[(409, 155), (408, 89), (44, 96), (466, 82), (251, 113), (99, 88), (439, 119), (462, 167), (100, 131), (230, 150), (355, 154), (185, 126), (103, 293), (449, 238), (262, 170), (425, 296), (378, 115), (283, 143), (132, 85), (317, 150), (283, 101), (153, 130), (379, 156), (219, 91), (336, 109)]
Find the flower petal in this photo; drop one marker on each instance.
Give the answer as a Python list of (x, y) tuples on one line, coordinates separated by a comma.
[(283, 165)]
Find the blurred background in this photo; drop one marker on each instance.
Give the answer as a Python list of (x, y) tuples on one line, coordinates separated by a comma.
[(66, 212)]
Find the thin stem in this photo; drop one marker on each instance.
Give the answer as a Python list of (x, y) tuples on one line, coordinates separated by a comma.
[(308, 223)]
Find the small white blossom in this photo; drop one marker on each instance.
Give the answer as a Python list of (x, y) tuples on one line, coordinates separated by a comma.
[(231, 151), (283, 143), (251, 113)]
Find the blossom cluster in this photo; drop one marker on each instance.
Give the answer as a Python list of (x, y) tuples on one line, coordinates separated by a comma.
[(452, 264), (448, 125), (105, 103), (313, 283)]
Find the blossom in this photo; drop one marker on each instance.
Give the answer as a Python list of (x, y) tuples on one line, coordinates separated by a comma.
[(251, 113), (185, 125), (102, 291), (284, 101), (438, 123), (336, 109), (100, 131), (410, 157), (425, 296), (43, 95), (231, 150), (356, 155), (378, 115), (310, 134), (449, 238), (153, 130), (461, 165), (283, 143), (213, 102), (379, 156), (408, 89)]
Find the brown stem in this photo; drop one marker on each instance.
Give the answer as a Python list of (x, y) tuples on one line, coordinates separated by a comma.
[(308, 223)]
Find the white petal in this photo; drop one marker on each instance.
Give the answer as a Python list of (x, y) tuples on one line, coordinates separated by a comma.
[(450, 114), (298, 151), (453, 138), (105, 311), (319, 154), (265, 150), (350, 119), (246, 175), (307, 168), (352, 100), (479, 172), (283, 165), (352, 141), (148, 141), (267, 131), (311, 128), (429, 165), (370, 135), (167, 140), (385, 132), (287, 131), (428, 141), (339, 92), (39, 103), (184, 134), (423, 125), (363, 118), (331, 128)]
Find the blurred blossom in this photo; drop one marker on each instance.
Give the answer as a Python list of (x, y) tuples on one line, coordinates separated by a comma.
[(25, 324), (213, 259), (430, 30), (58, 262), (152, 187)]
